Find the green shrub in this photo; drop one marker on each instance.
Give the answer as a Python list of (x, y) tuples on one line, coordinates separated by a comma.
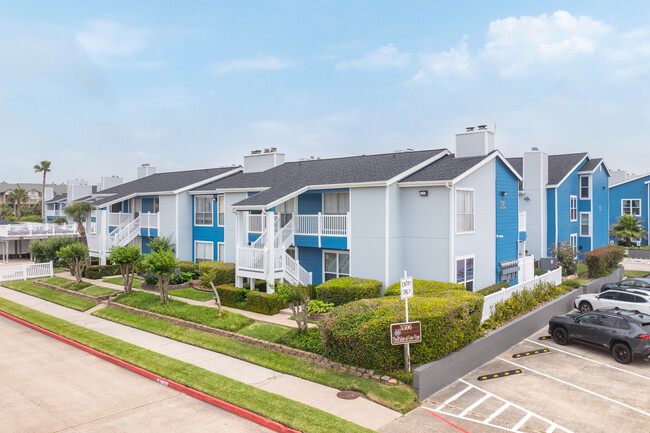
[(265, 303), (191, 267), (573, 284), (45, 250), (32, 219), (494, 288), (566, 257), (540, 271), (358, 333), (424, 288), (603, 259), (339, 291), (97, 272), (309, 341), (217, 272), (318, 307)]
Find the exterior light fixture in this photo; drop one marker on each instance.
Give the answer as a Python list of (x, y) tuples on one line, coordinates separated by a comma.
[(424, 193), (504, 193)]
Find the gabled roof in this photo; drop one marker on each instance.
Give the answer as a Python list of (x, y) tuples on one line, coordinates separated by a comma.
[(591, 165), (58, 199), (560, 166), (632, 179), (58, 188), (518, 164), (159, 183), (291, 178)]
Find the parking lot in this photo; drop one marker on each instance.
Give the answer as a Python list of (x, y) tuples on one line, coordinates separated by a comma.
[(574, 388)]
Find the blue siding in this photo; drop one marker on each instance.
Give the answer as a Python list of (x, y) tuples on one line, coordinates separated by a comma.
[(550, 217), (310, 204), (306, 241), (149, 232), (214, 233), (334, 242), (600, 208), (147, 205), (125, 206), (566, 227), (312, 260), (145, 245), (252, 237), (636, 189), (507, 219)]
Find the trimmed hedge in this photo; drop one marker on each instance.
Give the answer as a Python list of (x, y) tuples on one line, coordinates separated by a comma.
[(217, 272), (186, 266), (424, 288), (494, 288), (97, 272), (600, 260), (358, 333), (339, 291), (265, 303)]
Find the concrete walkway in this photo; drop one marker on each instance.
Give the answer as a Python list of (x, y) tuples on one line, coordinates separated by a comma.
[(359, 411)]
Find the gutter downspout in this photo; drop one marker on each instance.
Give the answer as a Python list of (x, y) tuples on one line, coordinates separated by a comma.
[(387, 239), (452, 233), (176, 227)]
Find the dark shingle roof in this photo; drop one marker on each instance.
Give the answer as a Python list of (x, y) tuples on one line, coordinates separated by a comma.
[(446, 168), (57, 188), (160, 182), (561, 165), (517, 164), (591, 164), (4, 222), (292, 176), (58, 199)]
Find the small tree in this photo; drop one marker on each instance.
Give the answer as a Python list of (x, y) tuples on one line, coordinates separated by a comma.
[(75, 256), (163, 264), (60, 220), (127, 257), (5, 210), (79, 212), (162, 243), (566, 257), (17, 197), (628, 228), (43, 167), (297, 297)]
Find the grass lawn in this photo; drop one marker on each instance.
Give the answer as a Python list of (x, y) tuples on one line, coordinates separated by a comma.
[(581, 269), (399, 398), (264, 331), (190, 293), (29, 288), (635, 274), (181, 310), (57, 281), (583, 281), (289, 412), (120, 281), (83, 287)]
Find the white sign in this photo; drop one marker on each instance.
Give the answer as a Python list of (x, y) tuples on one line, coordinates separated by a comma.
[(406, 288)]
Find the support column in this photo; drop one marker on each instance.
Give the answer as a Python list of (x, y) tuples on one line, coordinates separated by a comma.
[(240, 234), (270, 252)]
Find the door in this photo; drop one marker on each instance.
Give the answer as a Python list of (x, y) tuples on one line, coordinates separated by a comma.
[(584, 328), (605, 329)]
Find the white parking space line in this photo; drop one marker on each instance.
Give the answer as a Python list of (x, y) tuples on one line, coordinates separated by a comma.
[(522, 421), (454, 397), (497, 412), (590, 360), (578, 387), (473, 405), (551, 429)]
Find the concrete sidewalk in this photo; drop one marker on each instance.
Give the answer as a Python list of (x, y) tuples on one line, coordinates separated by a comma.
[(359, 411)]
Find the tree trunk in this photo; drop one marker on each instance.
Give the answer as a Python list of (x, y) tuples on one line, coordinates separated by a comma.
[(43, 198), (628, 242), (125, 277)]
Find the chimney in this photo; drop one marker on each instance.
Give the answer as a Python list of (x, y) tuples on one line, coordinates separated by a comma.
[(145, 170), (477, 141), (260, 161), (618, 176), (109, 181), (78, 188), (48, 193), (535, 169)]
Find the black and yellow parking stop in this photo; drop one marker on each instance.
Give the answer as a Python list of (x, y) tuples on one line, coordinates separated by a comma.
[(531, 353), (546, 337), (497, 375)]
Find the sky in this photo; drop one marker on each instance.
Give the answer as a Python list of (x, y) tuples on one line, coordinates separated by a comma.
[(99, 88)]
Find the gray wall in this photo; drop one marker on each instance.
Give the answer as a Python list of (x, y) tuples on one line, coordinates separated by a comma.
[(229, 234), (167, 215), (535, 180), (367, 210)]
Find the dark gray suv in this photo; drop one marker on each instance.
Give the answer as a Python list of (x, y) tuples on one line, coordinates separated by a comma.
[(630, 283), (626, 334)]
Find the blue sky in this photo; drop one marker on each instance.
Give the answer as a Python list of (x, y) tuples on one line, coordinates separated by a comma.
[(99, 89)]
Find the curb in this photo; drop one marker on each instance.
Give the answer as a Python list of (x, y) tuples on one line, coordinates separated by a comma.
[(236, 410)]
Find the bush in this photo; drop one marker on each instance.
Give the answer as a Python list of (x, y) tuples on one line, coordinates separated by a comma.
[(358, 333), (45, 250), (566, 257), (494, 288), (340, 291), (191, 267), (572, 284), (217, 272), (97, 272), (601, 260), (31, 219), (309, 341), (180, 277), (424, 288), (265, 303), (318, 307), (540, 271)]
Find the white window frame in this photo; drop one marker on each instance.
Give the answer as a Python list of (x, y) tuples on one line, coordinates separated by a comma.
[(337, 194), (221, 202), (464, 258), (473, 214), (203, 197), (588, 187), (590, 224), (573, 208), (221, 245), (211, 251), (573, 241), (631, 200), (337, 252)]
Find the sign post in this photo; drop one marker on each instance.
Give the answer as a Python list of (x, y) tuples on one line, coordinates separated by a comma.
[(406, 292)]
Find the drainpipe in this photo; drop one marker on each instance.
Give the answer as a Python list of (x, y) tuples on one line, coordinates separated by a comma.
[(452, 233)]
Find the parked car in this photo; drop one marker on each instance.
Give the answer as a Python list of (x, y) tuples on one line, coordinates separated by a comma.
[(624, 333), (630, 283), (615, 298)]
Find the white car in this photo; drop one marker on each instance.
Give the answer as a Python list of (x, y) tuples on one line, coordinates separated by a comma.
[(623, 299)]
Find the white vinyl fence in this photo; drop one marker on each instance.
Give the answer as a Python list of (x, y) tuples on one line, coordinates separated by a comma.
[(554, 277), (26, 271)]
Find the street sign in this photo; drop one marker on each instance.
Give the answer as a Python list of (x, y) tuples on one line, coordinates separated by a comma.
[(406, 288), (405, 333)]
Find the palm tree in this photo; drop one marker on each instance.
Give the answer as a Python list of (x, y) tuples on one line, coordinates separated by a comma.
[(44, 167), (628, 227), (5, 210), (78, 212), (17, 197)]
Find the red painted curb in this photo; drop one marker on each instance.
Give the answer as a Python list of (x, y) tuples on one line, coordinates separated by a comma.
[(241, 412), (444, 420)]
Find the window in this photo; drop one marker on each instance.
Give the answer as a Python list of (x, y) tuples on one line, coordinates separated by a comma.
[(221, 252), (627, 283), (612, 296), (585, 224), (584, 188), (336, 265), (631, 207), (285, 210), (203, 210), (221, 210), (464, 211), (117, 207), (156, 205), (465, 272), (573, 208), (336, 203), (573, 241), (607, 321), (588, 319), (203, 251)]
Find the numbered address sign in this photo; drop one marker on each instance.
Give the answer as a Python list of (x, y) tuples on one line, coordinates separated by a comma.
[(403, 333)]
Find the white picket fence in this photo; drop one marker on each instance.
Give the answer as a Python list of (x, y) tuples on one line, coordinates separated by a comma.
[(26, 271), (554, 277)]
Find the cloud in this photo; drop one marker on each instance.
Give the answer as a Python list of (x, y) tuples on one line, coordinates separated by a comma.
[(265, 63), (105, 39), (456, 61), (382, 58)]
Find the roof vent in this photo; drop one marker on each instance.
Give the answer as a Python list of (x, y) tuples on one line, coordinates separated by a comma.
[(409, 149), (469, 129), (534, 149), (274, 149), (482, 127), (256, 152)]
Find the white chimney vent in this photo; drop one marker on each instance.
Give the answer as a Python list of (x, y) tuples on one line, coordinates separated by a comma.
[(474, 142), (145, 170), (258, 161)]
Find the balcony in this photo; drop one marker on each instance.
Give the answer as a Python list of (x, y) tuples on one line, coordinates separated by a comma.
[(37, 230), (306, 225), (147, 220)]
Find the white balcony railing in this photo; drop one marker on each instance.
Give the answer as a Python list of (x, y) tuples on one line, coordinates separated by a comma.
[(522, 221), (37, 230), (251, 259), (147, 220), (322, 225), (116, 219)]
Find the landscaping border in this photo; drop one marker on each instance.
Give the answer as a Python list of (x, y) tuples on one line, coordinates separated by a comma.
[(97, 299), (313, 357), (434, 376)]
